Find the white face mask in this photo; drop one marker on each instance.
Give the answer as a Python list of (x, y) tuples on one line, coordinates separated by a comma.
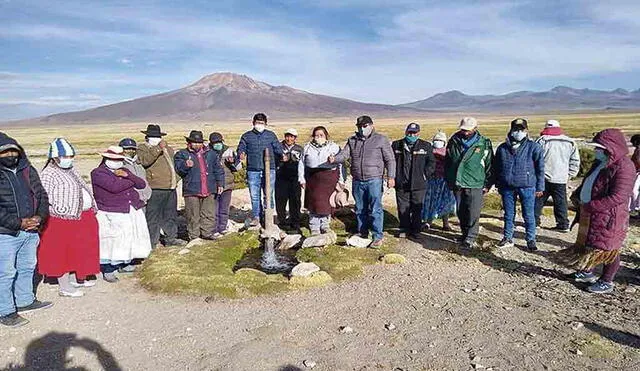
[(259, 127), (320, 140), (113, 165), (65, 163), (519, 135), (437, 144), (365, 132), (154, 141)]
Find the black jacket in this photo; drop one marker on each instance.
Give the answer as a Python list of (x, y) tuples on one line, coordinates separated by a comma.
[(21, 193), (289, 170), (415, 164)]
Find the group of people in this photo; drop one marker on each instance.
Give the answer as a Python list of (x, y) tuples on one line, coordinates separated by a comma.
[(74, 230)]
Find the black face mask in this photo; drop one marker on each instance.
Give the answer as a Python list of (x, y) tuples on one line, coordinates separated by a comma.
[(10, 162)]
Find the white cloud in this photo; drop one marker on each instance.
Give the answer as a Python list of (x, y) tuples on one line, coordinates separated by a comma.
[(125, 61)]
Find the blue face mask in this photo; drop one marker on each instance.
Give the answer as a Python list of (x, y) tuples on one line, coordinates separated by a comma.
[(601, 155), (411, 139)]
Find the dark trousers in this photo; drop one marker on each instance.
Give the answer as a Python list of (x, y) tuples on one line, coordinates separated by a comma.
[(558, 193), (222, 214), (469, 207), (288, 191), (201, 216), (410, 209), (162, 213)]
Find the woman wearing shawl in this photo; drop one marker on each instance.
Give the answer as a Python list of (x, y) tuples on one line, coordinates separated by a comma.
[(603, 217), (440, 202)]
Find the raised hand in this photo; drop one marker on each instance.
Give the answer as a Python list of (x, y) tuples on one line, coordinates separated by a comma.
[(331, 159), (189, 163)]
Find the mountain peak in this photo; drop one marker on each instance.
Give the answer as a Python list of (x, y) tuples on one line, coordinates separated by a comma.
[(229, 81)]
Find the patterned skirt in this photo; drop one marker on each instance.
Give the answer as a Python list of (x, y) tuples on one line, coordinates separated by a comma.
[(439, 200)]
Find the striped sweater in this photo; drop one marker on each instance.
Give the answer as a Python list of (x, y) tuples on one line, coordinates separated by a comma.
[(64, 188)]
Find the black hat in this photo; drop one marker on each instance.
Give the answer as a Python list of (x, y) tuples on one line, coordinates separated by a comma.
[(215, 138), (195, 136), (364, 120), (413, 128), (128, 143), (153, 131), (519, 124), (260, 117)]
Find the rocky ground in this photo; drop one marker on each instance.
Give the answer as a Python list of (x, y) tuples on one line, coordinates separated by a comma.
[(499, 310)]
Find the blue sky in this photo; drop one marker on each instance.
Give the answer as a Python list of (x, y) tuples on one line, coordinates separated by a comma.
[(67, 55)]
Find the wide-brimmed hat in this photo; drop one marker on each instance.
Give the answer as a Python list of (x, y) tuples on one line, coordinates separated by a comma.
[(195, 136), (153, 131), (60, 147), (114, 153), (468, 123), (340, 197)]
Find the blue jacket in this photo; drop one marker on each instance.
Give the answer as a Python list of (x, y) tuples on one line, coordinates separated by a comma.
[(192, 176), (253, 145), (519, 168)]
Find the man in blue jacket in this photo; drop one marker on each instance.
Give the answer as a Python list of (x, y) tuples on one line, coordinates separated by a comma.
[(519, 167), (252, 148), (202, 181)]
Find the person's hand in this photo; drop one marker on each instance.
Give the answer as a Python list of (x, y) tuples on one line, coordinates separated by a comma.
[(243, 156), (331, 159), (220, 190), (36, 219), (189, 163), (285, 158), (229, 160), (121, 173), (485, 191), (539, 194), (162, 144), (302, 185), (29, 224), (391, 182)]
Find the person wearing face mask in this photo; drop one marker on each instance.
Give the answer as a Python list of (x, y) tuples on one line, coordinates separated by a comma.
[(123, 231), (132, 163), (439, 201), (202, 181), (603, 212), (251, 148), (635, 158), (320, 179), (288, 190), (162, 207), (469, 174), (415, 165), (369, 154), (230, 164), (69, 257), (519, 168), (24, 208)]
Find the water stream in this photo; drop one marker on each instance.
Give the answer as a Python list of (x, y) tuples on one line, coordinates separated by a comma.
[(272, 262)]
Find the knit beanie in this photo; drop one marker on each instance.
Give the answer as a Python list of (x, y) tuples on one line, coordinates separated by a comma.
[(60, 147)]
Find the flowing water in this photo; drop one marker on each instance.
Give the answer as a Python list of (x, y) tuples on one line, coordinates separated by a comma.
[(272, 262)]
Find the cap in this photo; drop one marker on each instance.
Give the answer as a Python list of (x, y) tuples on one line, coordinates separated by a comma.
[(552, 124), (260, 117), (291, 131), (215, 137), (519, 124), (468, 123), (364, 120), (128, 143), (413, 128)]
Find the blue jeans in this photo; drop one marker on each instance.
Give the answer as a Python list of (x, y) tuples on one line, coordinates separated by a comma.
[(256, 181), (528, 201), (17, 264), (369, 212)]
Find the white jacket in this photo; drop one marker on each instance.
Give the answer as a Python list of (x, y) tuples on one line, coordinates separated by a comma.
[(316, 157), (561, 158)]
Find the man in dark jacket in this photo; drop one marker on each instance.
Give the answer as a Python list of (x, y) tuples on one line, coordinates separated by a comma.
[(519, 169), (468, 171), (24, 208), (369, 155), (252, 148), (202, 180), (415, 164), (288, 189)]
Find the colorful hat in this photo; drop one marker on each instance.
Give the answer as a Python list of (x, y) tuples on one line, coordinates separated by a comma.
[(114, 153), (60, 147)]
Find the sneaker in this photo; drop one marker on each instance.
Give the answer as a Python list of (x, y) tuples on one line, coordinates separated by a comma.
[(426, 226), (504, 243), (560, 229), (531, 246), (402, 235), (110, 277), (586, 277), (175, 242), (71, 294), (85, 283), (376, 244), (468, 246), (13, 320), (37, 304), (225, 232), (128, 269), (601, 287)]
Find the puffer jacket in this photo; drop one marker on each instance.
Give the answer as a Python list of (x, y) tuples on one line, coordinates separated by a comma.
[(521, 167), (369, 157), (415, 164), (21, 193), (610, 195), (253, 145), (561, 158), (470, 168)]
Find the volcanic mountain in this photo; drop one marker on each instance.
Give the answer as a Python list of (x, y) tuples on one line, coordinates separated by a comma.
[(224, 96)]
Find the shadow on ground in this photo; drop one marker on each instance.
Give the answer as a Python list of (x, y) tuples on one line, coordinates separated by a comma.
[(620, 337)]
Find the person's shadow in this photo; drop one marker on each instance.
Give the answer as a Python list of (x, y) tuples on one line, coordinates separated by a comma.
[(49, 352)]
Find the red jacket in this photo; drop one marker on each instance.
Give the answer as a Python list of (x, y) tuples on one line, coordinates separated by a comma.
[(612, 190)]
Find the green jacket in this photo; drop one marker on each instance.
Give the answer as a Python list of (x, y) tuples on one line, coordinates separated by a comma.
[(471, 168)]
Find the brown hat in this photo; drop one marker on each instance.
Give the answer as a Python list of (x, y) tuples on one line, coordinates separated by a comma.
[(340, 197)]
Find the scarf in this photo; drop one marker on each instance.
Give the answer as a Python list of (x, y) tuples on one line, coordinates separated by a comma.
[(468, 143), (552, 131)]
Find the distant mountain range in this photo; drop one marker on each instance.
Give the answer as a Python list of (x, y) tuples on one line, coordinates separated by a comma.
[(223, 96)]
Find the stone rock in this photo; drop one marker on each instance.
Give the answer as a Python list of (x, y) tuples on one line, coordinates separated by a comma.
[(393, 259), (346, 329), (390, 326), (630, 290), (320, 240), (357, 241), (304, 270), (194, 242), (234, 227), (289, 241), (250, 272), (12, 350), (577, 325), (315, 279), (309, 363), (184, 251)]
